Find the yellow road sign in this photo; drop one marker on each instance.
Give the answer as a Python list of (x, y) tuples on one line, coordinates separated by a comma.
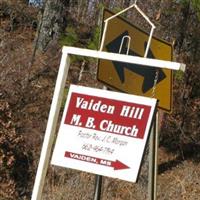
[(132, 78)]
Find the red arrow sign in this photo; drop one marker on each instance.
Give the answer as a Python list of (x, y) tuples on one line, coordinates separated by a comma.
[(117, 165)]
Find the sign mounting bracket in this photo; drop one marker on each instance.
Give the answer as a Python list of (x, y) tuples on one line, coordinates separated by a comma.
[(123, 11)]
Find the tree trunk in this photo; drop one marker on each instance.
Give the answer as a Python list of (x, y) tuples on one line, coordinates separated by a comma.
[(52, 22)]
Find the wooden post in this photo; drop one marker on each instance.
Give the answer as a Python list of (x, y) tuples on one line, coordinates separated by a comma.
[(153, 157), (51, 129)]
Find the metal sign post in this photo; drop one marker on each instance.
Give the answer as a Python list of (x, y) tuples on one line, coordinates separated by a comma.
[(98, 185), (110, 77), (57, 98), (124, 76)]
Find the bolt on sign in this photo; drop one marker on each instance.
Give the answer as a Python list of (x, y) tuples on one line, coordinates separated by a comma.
[(133, 78), (103, 132)]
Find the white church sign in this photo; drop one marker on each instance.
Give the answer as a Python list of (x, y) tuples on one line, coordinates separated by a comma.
[(104, 132)]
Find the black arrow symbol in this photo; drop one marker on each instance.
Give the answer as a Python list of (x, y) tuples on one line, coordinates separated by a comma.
[(146, 71)]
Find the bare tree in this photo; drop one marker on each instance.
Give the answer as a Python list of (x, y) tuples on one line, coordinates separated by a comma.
[(53, 21)]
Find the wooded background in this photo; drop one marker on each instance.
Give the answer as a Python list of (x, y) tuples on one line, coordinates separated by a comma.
[(31, 38)]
